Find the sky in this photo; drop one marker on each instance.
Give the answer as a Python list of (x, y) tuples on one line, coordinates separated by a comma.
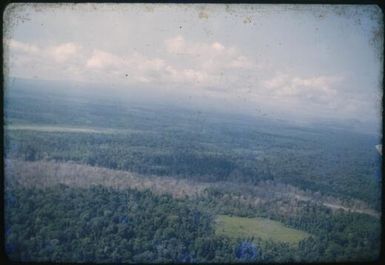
[(298, 62)]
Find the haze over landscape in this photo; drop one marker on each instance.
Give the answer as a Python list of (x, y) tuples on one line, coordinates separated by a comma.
[(293, 62), (192, 132)]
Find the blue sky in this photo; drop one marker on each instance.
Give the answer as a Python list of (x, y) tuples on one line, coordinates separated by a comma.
[(297, 62)]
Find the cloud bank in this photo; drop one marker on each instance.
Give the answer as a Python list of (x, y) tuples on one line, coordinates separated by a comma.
[(243, 56)]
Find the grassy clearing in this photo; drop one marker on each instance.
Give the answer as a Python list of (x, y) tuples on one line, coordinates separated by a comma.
[(263, 228)]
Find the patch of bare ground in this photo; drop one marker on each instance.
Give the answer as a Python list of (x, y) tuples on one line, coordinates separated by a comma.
[(42, 174)]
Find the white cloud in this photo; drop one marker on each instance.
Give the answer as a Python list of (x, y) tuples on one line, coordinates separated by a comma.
[(63, 52), (212, 57), (175, 45), (18, 46), (316, 88), (134, 67), (195, 64), (100, 59), (59, 53), (209, 64), (61, 61), (241, 62), (217, 46)]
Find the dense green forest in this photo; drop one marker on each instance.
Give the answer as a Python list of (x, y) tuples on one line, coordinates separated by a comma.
[(234, 154), (104, 225)]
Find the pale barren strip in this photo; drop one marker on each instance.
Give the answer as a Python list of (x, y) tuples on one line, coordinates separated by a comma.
[(41, 174)]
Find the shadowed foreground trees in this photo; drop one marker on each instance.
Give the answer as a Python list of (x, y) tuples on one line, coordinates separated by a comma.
[(99, 224)]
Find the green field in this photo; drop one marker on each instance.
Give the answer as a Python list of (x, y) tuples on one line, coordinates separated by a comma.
[(263, 228)]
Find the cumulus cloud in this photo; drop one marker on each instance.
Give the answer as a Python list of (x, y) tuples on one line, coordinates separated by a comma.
[(316, 88), (59, 53), (211, 67), (207, 65), (211, 56), (63, 52), (175, 45), (100, 59), (18, 46), (137, 67), (60, 61), (211, 64), (178, 45), (198, 64)]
